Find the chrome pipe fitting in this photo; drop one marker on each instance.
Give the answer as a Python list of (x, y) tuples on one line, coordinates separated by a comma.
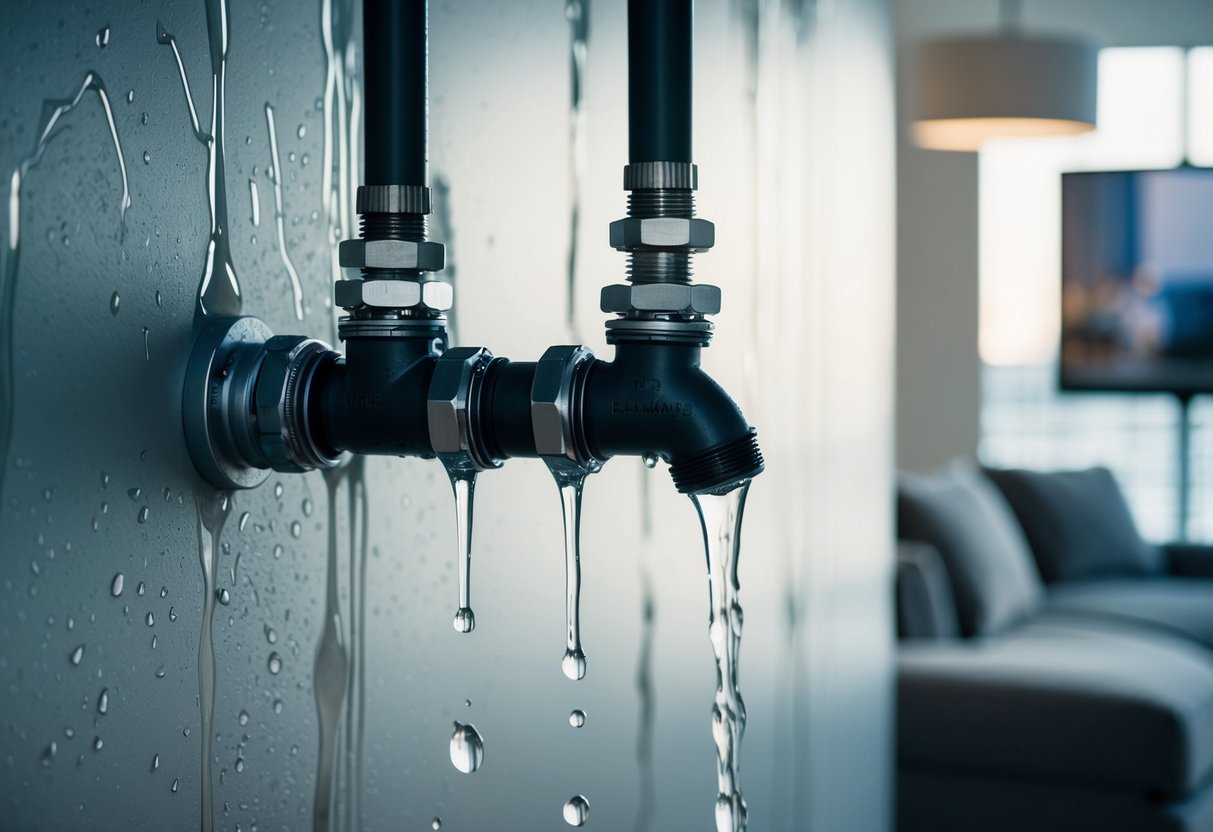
[(453, 409), (557, 406)]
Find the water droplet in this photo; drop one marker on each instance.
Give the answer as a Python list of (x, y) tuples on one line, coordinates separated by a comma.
[(97, 743), (465, 620), (301, 132), (224, 597), (141, 588), (155, 762), (143, 119), (573, 664), (144, 514), (296, 529), (77, 655), (134, 493), (307, 507), (576, 810), (274, 664), (130, 97), (160, 672), (650, 460), (103, 701), (243, 521), (278, 490), (163, 591), (436, 823), (115, 301), (277, 706), (103, 37), (467, 748), (270, 635), (51, 750), (168, 494), (105, 480), (467, 703), (577, 718), (176, 783), (277, 551), (243, 718), (172, 614), (239, 765), (151, 620), (147, 158)]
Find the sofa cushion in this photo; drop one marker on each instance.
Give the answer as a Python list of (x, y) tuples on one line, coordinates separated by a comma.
[(926, 606), (1056, 700), (961, 514), (1182, 607), (1077, 522)]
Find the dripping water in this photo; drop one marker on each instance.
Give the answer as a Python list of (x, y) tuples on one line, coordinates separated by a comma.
[(280, 214), (53, 111), (212, 509), (578, 14), (571, 481), (355, 712), (331, 668), (646, 804), (463, 484), (219, 288), (720, 517), (467, 748)]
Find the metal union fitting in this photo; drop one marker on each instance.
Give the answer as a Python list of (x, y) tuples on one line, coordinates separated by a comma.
[(453, 397), (393, 293), (282, 434), (555, 394), (698, 299), (687, 234), (423, 255)]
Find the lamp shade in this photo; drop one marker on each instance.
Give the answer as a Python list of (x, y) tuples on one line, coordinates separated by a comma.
[(968, 90)]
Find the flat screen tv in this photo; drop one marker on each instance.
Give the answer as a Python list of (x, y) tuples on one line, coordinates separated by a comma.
[(1137, 281)]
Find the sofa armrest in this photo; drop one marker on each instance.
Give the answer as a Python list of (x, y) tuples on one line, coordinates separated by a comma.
[(1188, 560), (926, 605)]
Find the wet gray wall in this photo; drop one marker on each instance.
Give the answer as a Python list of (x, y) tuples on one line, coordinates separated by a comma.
[(794, 142)]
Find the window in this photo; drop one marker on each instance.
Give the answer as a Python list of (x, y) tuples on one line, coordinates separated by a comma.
[(1153, 104)]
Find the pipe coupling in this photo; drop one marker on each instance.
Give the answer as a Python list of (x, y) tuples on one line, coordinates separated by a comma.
[(453, 409), (557, 405)]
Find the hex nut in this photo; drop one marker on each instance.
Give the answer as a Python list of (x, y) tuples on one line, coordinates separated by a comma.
[(691, 299), (551, 399), (424, 255), (449, 399), (661, 233), (393, 293)]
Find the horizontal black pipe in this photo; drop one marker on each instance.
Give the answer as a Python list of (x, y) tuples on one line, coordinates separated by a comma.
[(660, 33), (395, 77)]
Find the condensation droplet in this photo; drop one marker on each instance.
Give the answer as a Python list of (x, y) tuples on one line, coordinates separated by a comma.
[(176, 783), (155, 762), (296, 529), (130, 97), (147, 158), (277, 706), (301, 132), (277, 551), (577, 718), (103, 701), (224, 596), (172, 614), (144, 514), (239, 765), (151, 620), (307, 507), (116, 584), (576, 810), (243, 521), (134, 493), (115, 302), (143, 119), (243, 718), (274, 664), (467, 748), (98, 743), (103, 37), (139, 590), (270, 634), (650, 460), (436, 823), (278, 490), (51, 750), (77, 655)]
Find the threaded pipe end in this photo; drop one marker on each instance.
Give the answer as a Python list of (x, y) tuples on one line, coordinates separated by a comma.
[(393, 227), (720, 468), (659, 267), (661, 202)]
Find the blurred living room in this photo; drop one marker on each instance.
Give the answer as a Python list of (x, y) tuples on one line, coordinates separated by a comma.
[(1054, 437)]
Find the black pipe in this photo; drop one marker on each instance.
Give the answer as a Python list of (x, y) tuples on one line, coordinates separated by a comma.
[(395, 75), (659, 80)]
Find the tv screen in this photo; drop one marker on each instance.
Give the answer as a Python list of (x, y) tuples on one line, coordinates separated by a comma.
[(1137, 280)]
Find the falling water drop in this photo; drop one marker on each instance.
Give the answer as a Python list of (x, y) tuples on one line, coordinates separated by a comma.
[(576, 810), (571, 481), (650, 460), (463, 484), (274, 664), (116, 584), (577, 718), (467, 748), (115, 302), (77, 655), (103, 701), (103, 37)]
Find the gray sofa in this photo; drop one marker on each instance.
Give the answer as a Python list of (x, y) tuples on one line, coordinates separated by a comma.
[(1055, 672)]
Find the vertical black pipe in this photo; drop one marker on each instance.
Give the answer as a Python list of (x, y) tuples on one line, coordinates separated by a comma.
[(659, 80), (395, 76)]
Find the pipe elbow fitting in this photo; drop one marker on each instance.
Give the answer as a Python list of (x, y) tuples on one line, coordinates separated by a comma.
[(655, 399)]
